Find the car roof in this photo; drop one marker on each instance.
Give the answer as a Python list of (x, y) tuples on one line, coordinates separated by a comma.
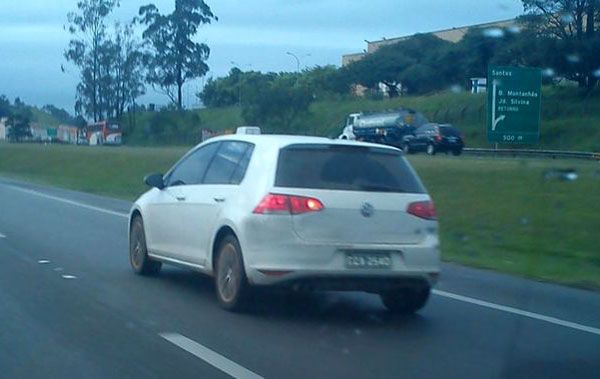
[(279, 141)]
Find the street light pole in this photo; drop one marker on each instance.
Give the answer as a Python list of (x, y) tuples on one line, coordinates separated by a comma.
[(297, 60), (235, 64)]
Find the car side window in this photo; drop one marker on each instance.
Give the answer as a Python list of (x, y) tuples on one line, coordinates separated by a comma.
[(191, 170), (240, 171), (226, 162)]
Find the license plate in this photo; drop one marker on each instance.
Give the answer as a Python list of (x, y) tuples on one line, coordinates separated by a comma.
[(368, 260)]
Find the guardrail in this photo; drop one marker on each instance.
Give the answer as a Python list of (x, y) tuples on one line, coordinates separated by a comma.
[(552, 154)]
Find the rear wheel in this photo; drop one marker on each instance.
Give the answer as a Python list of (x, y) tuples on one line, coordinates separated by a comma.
[(430, 149), (406, 301), (138, 252), (230, 278), (457, 152)]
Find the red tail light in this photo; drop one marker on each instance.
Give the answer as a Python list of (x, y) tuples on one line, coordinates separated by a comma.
[(275, 203), (423, 209), (438, 138)]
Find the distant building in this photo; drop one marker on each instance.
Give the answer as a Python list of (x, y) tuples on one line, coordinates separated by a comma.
[(39, 132), (451, 35), (68, 134)]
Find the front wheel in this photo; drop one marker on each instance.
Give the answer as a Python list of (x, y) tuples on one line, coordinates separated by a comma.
[(457, 152), (230, 278), (406, 301), (138, 251), (430, 149)]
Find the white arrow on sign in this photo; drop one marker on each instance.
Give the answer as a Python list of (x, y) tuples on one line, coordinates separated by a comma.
[(495, 120)]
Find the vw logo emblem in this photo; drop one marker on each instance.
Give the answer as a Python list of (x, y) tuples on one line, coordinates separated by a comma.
[(367, 210)]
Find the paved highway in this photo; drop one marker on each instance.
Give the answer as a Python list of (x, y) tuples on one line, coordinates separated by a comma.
[(71, 307)]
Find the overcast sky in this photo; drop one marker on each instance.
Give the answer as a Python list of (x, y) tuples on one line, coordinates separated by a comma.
[(256, 34)]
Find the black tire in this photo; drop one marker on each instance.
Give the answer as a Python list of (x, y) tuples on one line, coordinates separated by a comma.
[(406, 301), (457, 152), (138, 252), (430, 150), (231, 284)]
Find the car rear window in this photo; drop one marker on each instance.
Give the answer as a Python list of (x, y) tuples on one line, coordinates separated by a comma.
[(347, 168), (449, 131)]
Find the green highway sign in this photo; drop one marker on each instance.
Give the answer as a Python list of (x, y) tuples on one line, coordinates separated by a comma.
[(514, 105)]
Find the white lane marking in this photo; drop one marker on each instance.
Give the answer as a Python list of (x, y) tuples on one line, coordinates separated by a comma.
[(58, 269), (43, 261), (520, 312), (68, 276), (211, 357), (71, 202), (2, 235)]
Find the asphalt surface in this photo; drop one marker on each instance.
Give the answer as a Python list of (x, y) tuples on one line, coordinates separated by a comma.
[(71, 307)]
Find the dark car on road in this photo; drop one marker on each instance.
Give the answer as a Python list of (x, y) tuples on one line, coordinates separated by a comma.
[(433, 138)]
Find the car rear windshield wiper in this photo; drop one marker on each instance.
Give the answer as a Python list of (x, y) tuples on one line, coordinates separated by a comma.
[(380, 188)]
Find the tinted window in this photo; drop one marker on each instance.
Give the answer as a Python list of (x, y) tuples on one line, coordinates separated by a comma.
[(191, 169), (226, 162), (449, 131), (351, 168)]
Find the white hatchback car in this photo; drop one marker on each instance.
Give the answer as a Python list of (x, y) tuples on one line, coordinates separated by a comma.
[(294, 212)]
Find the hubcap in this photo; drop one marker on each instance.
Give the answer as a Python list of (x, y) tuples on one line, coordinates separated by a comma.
[(228, 274), (137, 253)]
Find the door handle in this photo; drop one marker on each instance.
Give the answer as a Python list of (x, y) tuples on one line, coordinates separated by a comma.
[(219, 199), (180, 198)]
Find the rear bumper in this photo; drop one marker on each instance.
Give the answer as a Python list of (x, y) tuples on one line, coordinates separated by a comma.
[(366, 283)]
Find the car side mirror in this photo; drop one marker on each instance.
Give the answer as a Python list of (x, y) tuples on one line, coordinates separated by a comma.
[(155, 181)]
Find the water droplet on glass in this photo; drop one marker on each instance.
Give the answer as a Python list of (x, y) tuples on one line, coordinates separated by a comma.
[(549, 72), (493, 33), (573, 58), (456, 88), (565, 175), (514, 29), (597, 73), (524, 221), (567, 18)]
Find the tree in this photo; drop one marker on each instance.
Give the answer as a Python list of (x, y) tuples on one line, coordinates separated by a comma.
[(174, 58), (275, 101), (18, 123), (5, 108), (122, 75), (88, 27), (325, 81), (419, 53), (573, 23)]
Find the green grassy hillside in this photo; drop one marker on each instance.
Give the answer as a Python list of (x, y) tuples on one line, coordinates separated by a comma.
[(570, 120)]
